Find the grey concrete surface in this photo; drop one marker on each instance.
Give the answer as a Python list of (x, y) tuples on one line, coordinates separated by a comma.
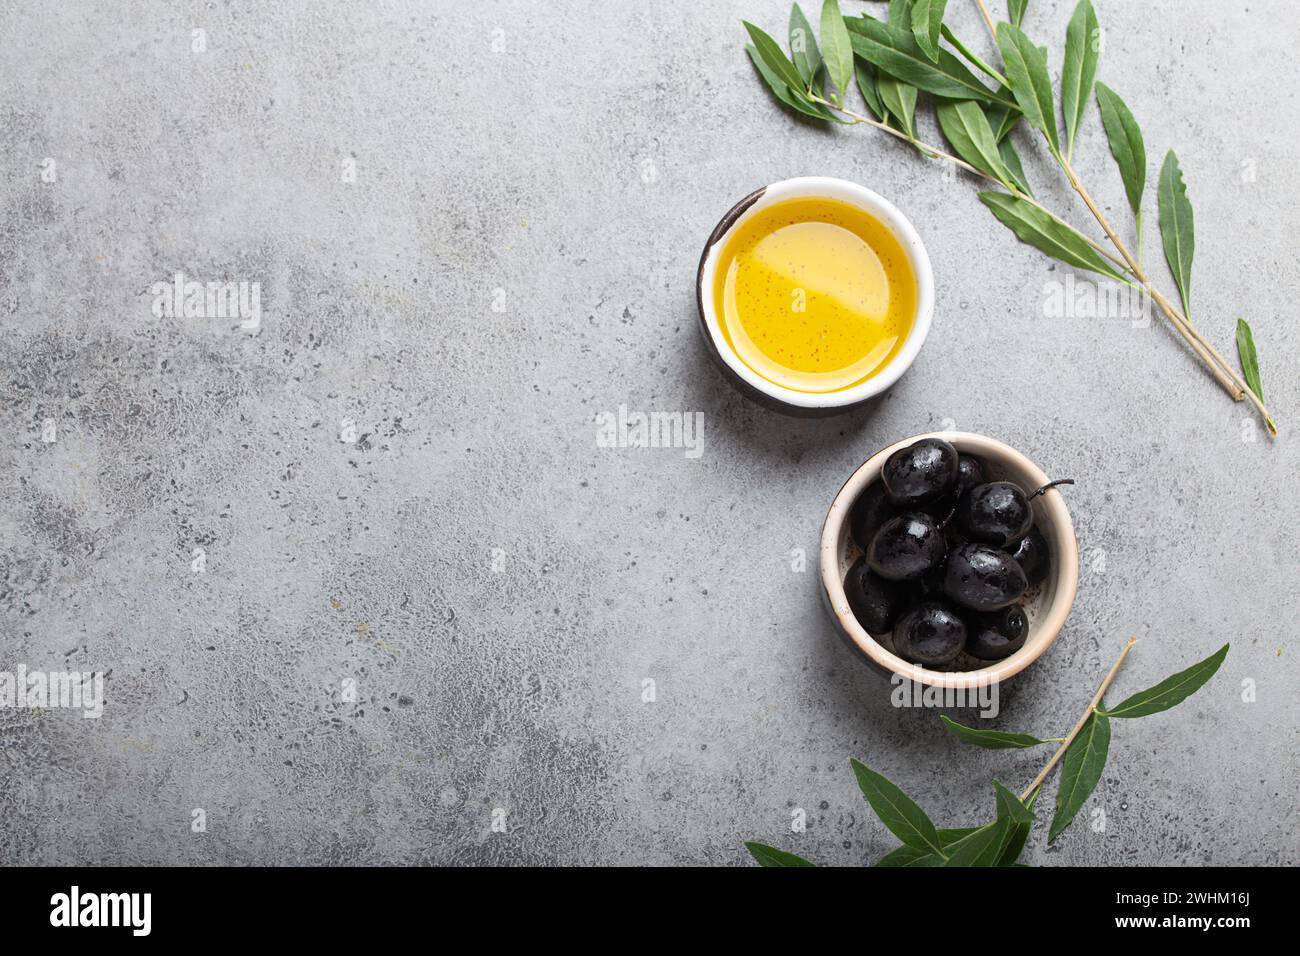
[(515, 254)]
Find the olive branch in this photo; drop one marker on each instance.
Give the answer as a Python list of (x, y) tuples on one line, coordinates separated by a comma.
[(1081, 753), (891, 62)]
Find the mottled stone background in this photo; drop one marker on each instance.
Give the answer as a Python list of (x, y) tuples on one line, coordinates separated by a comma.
[(498, 586)]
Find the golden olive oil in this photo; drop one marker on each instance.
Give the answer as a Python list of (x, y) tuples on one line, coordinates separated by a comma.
[(814, 294)]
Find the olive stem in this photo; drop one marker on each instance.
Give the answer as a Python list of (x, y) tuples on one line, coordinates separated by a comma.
[(1218, 367), (988, 20), (1050, 485), (933, 151), (1096, 700), (1224, 373)]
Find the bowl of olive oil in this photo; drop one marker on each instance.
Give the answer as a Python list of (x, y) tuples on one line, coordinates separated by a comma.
[(815, 295)]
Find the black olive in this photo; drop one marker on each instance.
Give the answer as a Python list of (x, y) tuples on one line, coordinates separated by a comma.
[(1030, 552), (869, 512), (997, 634), (983, 578), (906, 547), (995, 513), (970, 472), (932, 634), (875, 602), (920, 474)]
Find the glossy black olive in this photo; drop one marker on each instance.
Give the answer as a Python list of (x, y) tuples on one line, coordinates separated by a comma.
[(997, 634), (920, 474), (906, 547), (875, 602), (869, 512), (983, 578), (1030, 552), (931, 634), (995, 513)]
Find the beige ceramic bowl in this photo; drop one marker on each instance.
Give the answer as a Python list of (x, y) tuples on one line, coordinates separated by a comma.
[(1047, 605)]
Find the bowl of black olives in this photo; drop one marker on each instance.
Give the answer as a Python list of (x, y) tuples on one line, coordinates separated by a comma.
[(949, 559)]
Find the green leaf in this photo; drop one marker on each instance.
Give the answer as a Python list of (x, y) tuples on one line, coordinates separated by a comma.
[(1177, 228), (1080, 771), (896, 53), (905, 856), (1002, 120), (803, 47), (1016, 11), (791, 98), (984, 847), (911, 856), (973, 58), (927, 25), (1126, 144), (989, 739), (836, 48), (1169, 692), (967, 128), (868, 84), (1030, 82), (1011, 160), (900, 14), (899, 100), (1249, 358), (897, 811), (1038, 229), (775, 59), (1022, 822), (949, 836), (897, 97), (771, 856), (1082, 50)]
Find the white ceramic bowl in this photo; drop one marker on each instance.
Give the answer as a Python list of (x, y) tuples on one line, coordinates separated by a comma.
[(1047, 606), (778, 396)]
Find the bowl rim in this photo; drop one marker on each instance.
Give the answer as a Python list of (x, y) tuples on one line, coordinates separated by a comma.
[(1065, 563), (824, 187)]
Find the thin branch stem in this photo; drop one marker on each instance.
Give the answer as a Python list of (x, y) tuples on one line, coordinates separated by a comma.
[(899, 134), (1224, 373), (1096, 699), (1221, 373), (988, 20)]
